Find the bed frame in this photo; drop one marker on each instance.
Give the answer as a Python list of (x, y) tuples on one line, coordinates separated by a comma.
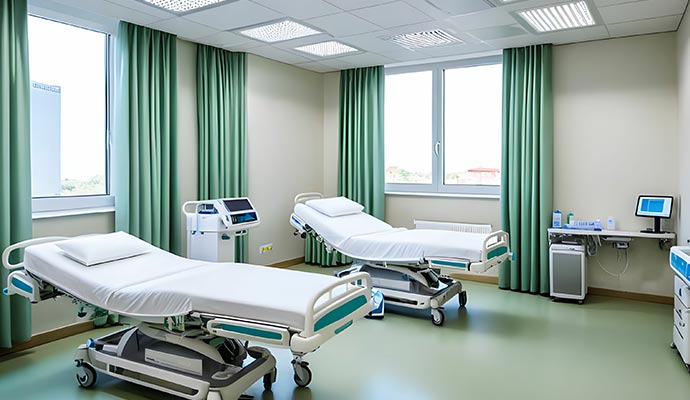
[(329, 312)]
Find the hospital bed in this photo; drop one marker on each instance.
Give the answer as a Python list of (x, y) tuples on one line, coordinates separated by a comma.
[(410, 267), (191, 316)]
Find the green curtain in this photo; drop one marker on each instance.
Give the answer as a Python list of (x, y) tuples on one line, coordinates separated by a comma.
[(145, 141), (222, 119), (360, 157), (15, 160), (527, 167)]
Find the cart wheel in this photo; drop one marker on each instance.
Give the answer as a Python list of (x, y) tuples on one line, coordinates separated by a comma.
[(303, 376), (214, 396), (269, 379), (462, 298), (86, 375), (437, 316)]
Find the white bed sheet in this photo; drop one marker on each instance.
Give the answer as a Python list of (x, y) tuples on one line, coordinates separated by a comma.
[(412, 245), (335, 230), (160, 284), (367, 238)]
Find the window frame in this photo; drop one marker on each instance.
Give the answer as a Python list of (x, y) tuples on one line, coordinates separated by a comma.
[(438, 187), (77, 204)]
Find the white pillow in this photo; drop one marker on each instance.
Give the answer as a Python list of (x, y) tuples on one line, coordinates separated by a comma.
[(335, 206), (97, 249)]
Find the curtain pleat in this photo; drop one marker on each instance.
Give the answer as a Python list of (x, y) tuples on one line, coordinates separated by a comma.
[(222, 122), (145, 141), (15, 160), (527, 166)]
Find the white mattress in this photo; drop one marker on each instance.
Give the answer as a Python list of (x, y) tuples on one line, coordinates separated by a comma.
[(161, 284), (335, 230), (364, 237)]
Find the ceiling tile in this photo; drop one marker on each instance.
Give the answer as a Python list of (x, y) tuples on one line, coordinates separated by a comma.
[(652, 25), (112, 10), (373, 42), (366, 59), (355, 4), (143, 7), (343, 24), (457, 49), (278, 55), (405, 55), (483, 19), (455, 7), (337, 63), (183, 28), (498, 32), (642, 10), (234, 15), (427, 8), (392, 14), (316, 67), (303, 9), (224, 39), (252, 44), (604, 3)]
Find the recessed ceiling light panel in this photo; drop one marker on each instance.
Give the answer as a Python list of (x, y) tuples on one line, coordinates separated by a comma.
[(558, 17), (327, 49), (279, 31), (418, 40), (182, 6)]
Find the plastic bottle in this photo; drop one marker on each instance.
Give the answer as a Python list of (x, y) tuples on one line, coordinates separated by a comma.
[(570, 218), (557, 219)]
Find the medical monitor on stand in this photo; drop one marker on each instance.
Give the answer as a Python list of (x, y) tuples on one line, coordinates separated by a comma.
[(656, 207)]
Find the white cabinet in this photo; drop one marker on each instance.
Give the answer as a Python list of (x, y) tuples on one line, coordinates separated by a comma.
[(679, 261), (568, 272)]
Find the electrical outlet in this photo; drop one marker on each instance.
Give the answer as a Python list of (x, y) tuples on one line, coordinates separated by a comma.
[(265, 248)]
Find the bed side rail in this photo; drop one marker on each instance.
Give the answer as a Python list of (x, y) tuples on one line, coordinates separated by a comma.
[(304, 197), (23, 244), (496, 249), (340, 301)]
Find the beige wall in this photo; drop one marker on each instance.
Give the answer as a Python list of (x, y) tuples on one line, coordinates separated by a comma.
[(683, 48), (331, 111), (285, 139), (188, 147), (615, 113)]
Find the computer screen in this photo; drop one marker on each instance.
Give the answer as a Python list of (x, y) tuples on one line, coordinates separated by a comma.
[(654, 206), (234, 205)]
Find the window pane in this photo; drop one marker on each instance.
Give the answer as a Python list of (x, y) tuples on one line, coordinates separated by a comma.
[(408, 103), (472, 118), (68, 109)]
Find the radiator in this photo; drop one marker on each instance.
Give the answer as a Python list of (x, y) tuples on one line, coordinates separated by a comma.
[(453, 226)]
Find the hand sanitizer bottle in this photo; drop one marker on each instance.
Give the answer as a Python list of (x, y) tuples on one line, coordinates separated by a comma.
[(557, 223)]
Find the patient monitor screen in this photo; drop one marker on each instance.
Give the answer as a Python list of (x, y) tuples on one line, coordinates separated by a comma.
[(237, 205), (654, 206)]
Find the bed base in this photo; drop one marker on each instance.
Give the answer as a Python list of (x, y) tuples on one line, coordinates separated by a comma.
[(193, 367), (415, 287)]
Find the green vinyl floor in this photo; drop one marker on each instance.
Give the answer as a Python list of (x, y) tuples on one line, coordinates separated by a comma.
[(504, 345)]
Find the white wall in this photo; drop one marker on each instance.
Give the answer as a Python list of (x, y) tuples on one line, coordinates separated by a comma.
[(615, 121), (683, 48), (284, 150), (331, 112)]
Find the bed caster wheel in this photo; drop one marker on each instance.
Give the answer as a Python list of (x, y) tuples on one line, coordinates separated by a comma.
[(462, 298), (269, 379), (86, 375), (673, 345), (302, 375), (437, 316)]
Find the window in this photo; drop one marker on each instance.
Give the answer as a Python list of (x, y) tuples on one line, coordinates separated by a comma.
[(443, 128), (68, 68)]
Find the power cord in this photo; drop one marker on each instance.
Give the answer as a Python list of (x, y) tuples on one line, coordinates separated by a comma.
[(625, 269)]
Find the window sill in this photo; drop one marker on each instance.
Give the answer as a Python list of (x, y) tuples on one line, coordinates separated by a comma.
[(72, 212), (446, 195)]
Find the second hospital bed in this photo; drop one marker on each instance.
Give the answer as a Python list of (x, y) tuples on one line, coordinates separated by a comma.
[(410, 266), (185, 308)]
